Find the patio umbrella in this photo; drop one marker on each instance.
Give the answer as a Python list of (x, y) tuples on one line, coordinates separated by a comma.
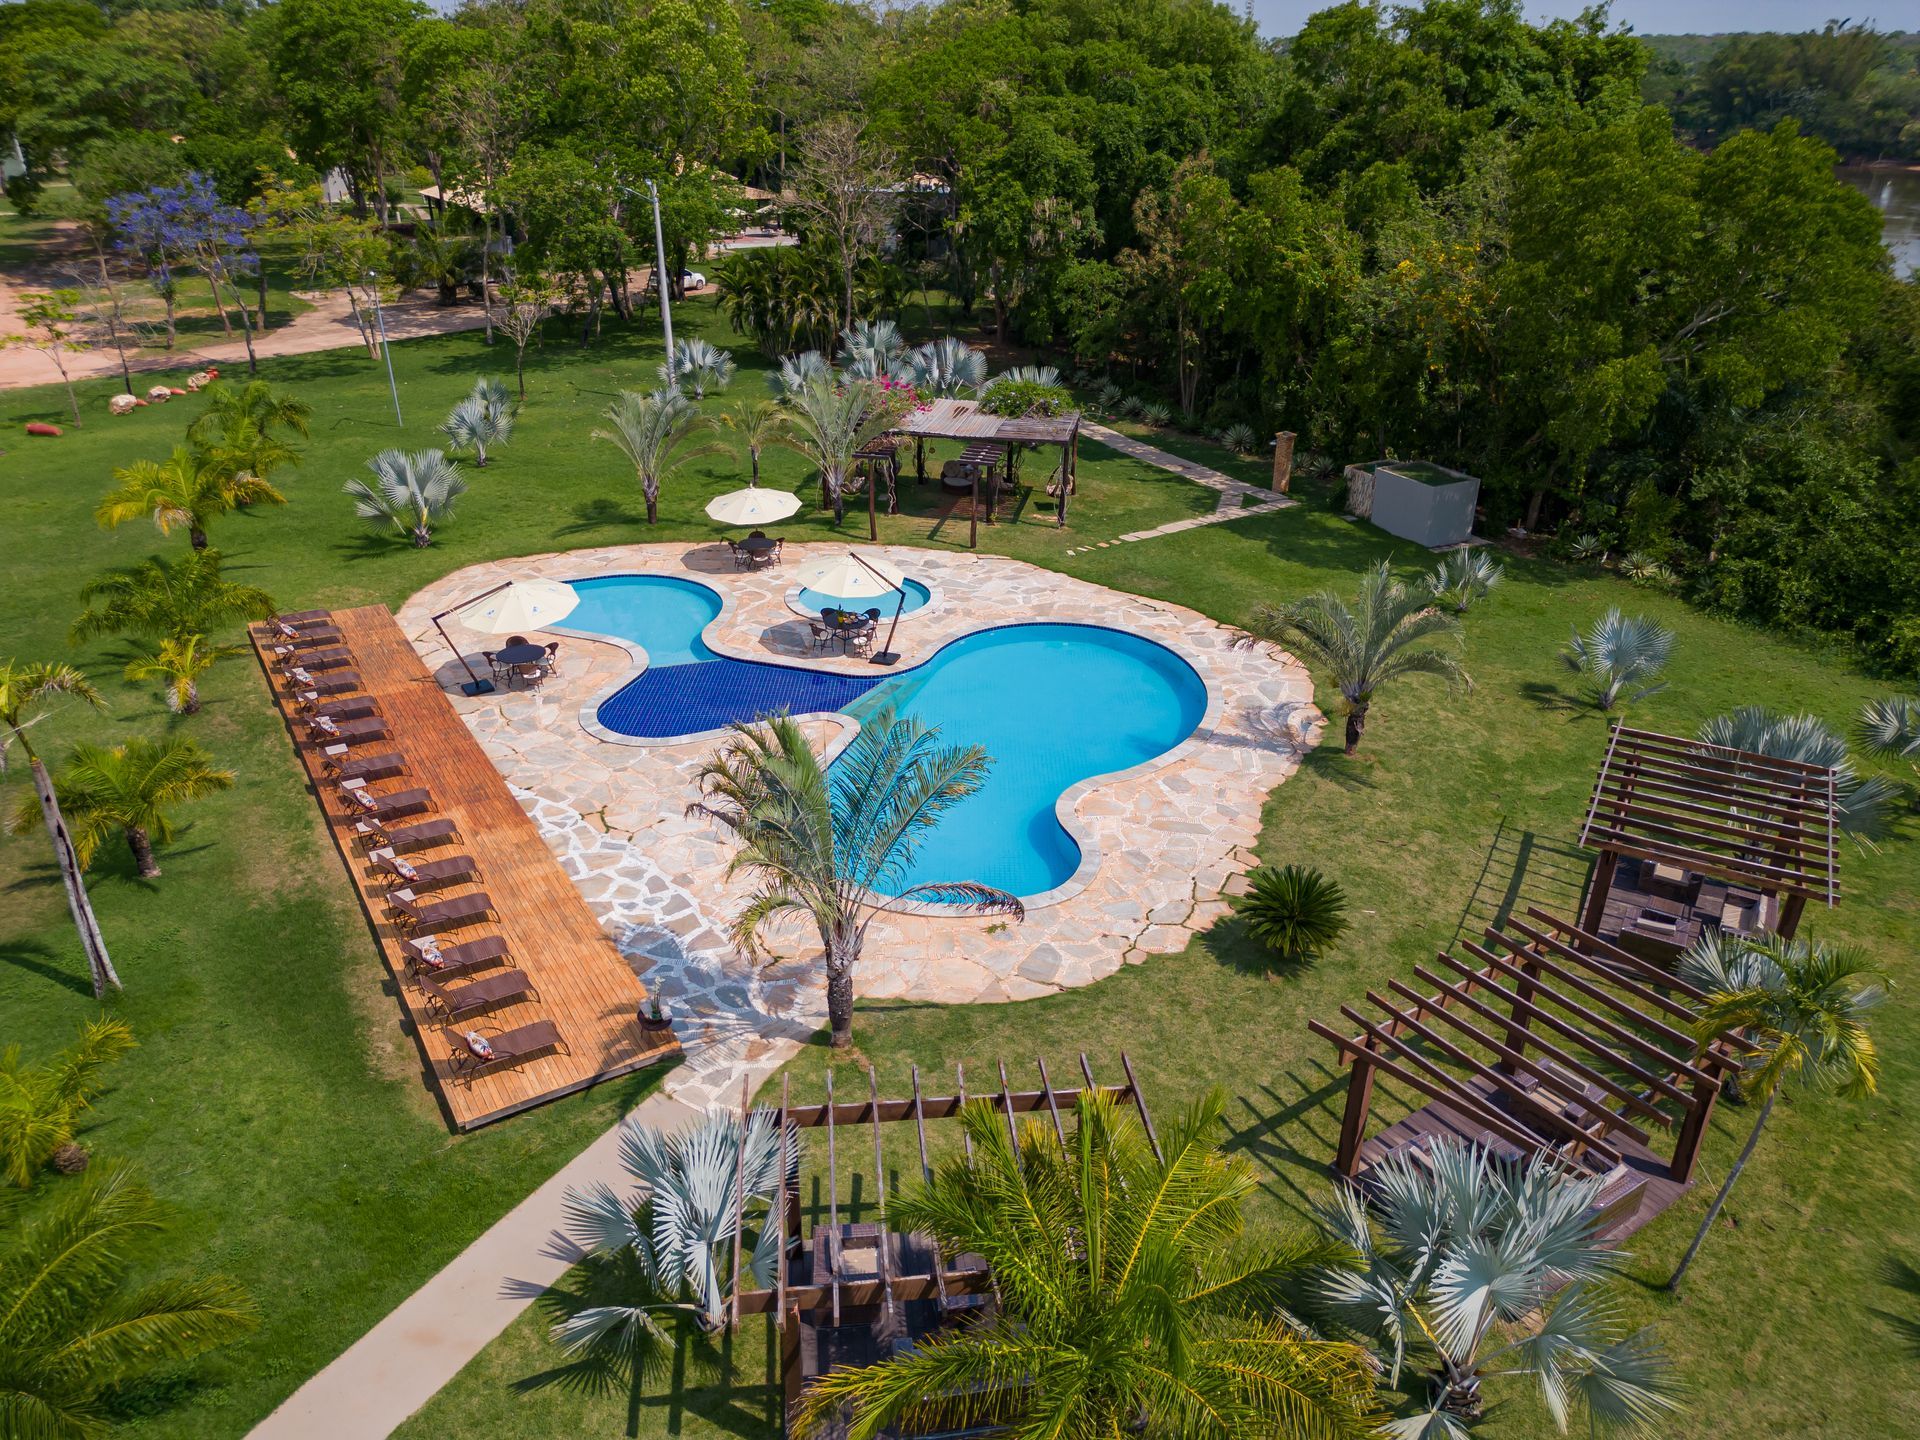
[(753, 506), (506, 608), (850, 575)]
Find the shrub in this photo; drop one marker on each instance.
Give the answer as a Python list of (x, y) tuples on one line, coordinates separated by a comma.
[(1239, 438), (1295, 911), (1024, 397), (1619, 651), (1110, 396), (1464, 577), (1157, 413)]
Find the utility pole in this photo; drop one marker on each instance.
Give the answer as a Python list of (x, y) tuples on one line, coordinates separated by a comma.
[(380, 318), (660, 281)]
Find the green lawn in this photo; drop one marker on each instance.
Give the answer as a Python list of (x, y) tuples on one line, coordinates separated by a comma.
[(288, 1122)]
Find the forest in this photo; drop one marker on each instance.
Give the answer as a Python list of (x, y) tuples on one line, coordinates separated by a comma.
[(1620, 283)]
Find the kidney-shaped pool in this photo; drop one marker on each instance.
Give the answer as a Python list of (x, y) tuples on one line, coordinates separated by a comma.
[(1053, 704)]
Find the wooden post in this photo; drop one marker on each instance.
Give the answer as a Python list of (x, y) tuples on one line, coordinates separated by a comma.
[(973, 510), (1790, 911), (1069, 462), (791, 1380), (873, 525), (1602, 887), (1693, 1129), (1353, 1124), (1520, 1023), (920, 458), (1283, 460)]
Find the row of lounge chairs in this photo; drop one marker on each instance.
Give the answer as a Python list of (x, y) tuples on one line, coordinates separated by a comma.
[(458, 982)]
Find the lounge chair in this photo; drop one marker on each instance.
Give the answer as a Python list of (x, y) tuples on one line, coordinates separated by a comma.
[(301, 619), (370, 767), (334, 730), (287, 647), (428, 875), (315, 661), (447, 1004), (308, 686), (376, 834), (350, 707), (427, 956), (414, 916), (503, 1049), (393, 806)]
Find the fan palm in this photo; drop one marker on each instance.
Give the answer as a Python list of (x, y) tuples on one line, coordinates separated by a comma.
[(40, 1105), (652, 432), (1891, 726), (179, 661), (128, 790), (1029, 375), (191, 489), (758, 424), (412, 493), (701, 366), (830, 845), (1382, 636), (799, 371), (1860, 801), (1799, 1006), (23, 689), (1464, 577), (948, 366), (72, 1330), (1617, 653), (166, 600), (1126, 1304), (1465, 1243), (830, 425), (484, 418)]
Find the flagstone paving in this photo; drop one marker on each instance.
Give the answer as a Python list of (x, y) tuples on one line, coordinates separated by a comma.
[(1237, 501), (1170, 838)]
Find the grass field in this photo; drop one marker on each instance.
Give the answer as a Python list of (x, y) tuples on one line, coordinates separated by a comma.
[(287, 1121)]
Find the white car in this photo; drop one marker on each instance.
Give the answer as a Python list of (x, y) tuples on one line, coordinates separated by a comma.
[(692, 280)]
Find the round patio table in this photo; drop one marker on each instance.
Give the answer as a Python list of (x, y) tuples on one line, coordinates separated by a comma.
[(520, 654), (757, 544)]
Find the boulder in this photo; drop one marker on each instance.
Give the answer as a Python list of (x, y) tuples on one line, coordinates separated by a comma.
[(199, 380), (122, 405), (40, 427), (160, 393)]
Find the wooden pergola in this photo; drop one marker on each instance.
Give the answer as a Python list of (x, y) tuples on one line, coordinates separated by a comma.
[(1543, 1040), (952, 419), (848, 1292), (1693, 836)]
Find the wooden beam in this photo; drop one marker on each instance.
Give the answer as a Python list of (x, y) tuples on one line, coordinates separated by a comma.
[(1353, 1119), (833, 1202), (1580, 984), (1046, 1088), (740, 1195), (1140, 1104)]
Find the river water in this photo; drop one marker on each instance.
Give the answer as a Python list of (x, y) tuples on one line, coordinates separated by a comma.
[(1896, 194)]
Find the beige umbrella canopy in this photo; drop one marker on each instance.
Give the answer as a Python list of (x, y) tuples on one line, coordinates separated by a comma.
[(519, 605), (850, 575), (753, 506)]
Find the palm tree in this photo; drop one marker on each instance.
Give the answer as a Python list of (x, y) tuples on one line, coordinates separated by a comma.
[(71, 1329), (702, 366), (1464, 577), (192, 489), (831, 845), (830, 425), (1619, 651), (1126, 1304), (180, 661), (40, 1105), (1798, 1005), (442, 259), (128, 790), (799, 371), (23, 688), (663, 1255), (1491, 1267), (1891, 726), (245, 453), (758, 423), (412, 493), (651, 431), (167, 600), (1861, 801), (484, 418), (1379, 638), (256, 401), (948, 366)]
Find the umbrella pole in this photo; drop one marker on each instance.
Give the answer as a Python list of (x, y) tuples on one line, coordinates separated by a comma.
[(886, 655), (475, 685)]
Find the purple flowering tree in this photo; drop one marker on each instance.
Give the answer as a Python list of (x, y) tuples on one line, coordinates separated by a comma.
[(188, 226)]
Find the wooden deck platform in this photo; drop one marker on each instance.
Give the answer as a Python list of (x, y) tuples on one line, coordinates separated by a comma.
[(582, 984)]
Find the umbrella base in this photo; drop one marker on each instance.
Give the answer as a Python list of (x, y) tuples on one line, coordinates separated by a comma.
[(477, 687), (885, 657)]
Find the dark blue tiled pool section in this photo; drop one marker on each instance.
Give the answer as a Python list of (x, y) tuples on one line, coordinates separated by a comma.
[(706, 695)]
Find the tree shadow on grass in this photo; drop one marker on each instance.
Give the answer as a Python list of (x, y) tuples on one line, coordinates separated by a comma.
[(1554, 700), (1330, 763), (1901, 1273), (598, 514), (38, 959), (1290, 1133)]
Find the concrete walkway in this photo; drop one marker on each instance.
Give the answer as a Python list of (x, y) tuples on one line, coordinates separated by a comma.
[(403, 1361), (1237, 499)]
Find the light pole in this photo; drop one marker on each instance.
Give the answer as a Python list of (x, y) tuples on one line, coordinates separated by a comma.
[(660, 279), (380, 319)]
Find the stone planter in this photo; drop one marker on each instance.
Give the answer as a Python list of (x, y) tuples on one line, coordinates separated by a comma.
[(1415, 500)]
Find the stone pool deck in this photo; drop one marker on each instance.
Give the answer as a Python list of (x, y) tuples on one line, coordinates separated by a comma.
[(1170, 837)]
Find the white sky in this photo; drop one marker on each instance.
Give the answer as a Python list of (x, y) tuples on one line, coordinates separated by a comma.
[(1662, 17)]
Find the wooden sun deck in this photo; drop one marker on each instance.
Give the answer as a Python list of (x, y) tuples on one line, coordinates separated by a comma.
[(583, 985)]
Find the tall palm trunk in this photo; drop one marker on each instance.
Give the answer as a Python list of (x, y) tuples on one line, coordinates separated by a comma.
[(1356, 723), (196, 537), (141, 844), (843, 952), (1726, 1188), (99, 964)]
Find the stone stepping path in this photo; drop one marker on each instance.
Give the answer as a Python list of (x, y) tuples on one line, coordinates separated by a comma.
[(1237, 499)]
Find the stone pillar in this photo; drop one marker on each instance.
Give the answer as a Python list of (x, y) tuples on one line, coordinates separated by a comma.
[(1283, 460)]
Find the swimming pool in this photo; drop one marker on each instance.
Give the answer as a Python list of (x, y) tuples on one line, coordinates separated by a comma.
[(1054, 704), (812, 602)]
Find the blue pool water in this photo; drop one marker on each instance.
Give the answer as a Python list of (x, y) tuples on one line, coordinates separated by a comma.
[(1053, 704), (814, 601)]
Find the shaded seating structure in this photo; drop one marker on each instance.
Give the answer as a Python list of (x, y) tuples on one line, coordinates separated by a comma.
[(984, 432), (1541, 1039), (1692, 836)]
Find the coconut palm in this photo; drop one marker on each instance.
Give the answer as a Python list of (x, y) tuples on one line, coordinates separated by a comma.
[(652, 431), (257, 402), (947, 366), (1127, 1304), (179, 661), (1860, 800), (162, 599), (412, 493), (701, 366), (245, 453), (40, 1105), (833, 845), (484, 418), (1486, 1268), (24, 688), (189, 490), (1382, 636), (799, 371), (127, 791), (758, 424), (72, 1330), (1891, 726), (1464, 577), (830, 425), (1617, 653), (663, 1255), (1799, 1006)]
